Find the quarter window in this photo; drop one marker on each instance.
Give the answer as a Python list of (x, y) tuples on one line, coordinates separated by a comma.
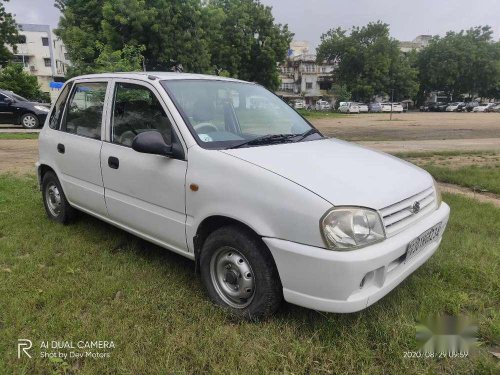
[(136, 109), (84, 114)]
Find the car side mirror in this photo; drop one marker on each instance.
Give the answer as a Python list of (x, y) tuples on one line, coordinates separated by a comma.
[(151, 142)]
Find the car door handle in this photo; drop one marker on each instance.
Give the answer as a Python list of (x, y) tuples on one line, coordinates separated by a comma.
[(60, 148), (113, 162)]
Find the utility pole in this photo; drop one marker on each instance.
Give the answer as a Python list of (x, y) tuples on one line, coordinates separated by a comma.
[(392, 102)]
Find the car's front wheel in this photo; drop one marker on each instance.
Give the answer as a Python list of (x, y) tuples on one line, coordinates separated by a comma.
[(54, 200), (29, 121), (239, 273)]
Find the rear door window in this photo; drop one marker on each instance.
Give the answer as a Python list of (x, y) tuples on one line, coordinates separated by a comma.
[(57, 111), (84, 112)]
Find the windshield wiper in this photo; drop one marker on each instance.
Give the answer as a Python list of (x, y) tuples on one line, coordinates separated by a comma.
[(307, 134), (266, 139)]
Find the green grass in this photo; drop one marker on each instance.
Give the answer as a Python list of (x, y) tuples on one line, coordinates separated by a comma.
[(19, 135), (320, 114), (91, 281), (482, 174), (484, 178), (427, 154)]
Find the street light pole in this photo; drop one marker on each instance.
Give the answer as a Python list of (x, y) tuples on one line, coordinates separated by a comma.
[(392, 102)]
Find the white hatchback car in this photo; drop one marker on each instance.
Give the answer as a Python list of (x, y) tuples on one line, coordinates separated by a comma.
[(348, 107), (266, 206)]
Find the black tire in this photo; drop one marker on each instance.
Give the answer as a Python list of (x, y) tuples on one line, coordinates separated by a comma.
[(55, 202), (30, 121), (248, 248)]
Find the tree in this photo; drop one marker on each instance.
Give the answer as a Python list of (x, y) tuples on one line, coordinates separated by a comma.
[(461, 63), (8, 34), (249, 43), (238, 37), (14, 78), (369, 62)]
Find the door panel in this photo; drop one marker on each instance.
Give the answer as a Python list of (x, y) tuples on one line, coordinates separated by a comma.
[(77, 147), (81, 171), (146, 193), (143, 192)]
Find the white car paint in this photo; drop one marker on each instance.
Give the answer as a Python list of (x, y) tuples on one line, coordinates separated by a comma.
[(483, 107), (280, 191), (348, 107), (323, 105), (395, 107), (363, 108)]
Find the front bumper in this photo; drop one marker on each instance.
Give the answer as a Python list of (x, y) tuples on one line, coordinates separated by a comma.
[(331, 281)]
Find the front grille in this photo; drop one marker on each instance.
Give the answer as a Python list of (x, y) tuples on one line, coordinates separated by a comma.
[(399, 215)]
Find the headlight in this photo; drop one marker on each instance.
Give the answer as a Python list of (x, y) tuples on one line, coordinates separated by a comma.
[(439, 199), (348, 228), (41, 108)]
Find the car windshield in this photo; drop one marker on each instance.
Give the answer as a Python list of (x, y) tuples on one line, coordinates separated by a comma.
[(224, 114)]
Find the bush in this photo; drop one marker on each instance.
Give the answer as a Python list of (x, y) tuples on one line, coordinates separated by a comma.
[(14, 78)]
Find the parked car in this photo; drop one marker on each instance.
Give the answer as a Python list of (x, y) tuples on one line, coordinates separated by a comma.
[(299, 104), (493, 107), (454, 107), (170, 159), (348, 107), (483, 107), (15, 109), (471, 105), (375, 107), (363, 108), (394, 107), (323, 105)]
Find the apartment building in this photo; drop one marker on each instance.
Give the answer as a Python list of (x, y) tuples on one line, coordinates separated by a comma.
[(302, 77), (43, 54)]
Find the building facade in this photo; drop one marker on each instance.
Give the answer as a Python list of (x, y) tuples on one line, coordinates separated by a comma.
[(302, 77), (416, 44), (42, 54)]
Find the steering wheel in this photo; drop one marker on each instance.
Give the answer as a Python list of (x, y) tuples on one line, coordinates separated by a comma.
[(205, 127)]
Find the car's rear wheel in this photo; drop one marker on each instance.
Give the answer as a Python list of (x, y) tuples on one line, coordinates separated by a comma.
[(54, 200), (239, 273), (29, 121)]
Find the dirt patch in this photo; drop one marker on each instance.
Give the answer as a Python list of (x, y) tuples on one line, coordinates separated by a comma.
[(459, 161), (474, 144), (18, 156), (412, 125), (469, 193)]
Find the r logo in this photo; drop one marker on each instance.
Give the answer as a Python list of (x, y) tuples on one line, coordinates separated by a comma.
[(23, 345)]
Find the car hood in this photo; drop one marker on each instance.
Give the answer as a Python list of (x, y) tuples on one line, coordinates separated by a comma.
[(340, 172)]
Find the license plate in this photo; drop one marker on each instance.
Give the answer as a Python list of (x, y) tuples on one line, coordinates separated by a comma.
[(422, 241)]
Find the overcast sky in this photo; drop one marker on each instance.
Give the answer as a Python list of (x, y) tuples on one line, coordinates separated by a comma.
[(308, 19)]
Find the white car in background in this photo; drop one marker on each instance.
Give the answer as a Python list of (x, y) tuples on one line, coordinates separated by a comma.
[(394, 107), (363, 108), (323, 105), (299, 104), (266, 213), (348, 107), (453, 107), (482, 107)]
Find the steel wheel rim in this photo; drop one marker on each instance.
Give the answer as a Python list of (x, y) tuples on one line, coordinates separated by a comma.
[(53, 199), (29, 121), (232, 277)]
